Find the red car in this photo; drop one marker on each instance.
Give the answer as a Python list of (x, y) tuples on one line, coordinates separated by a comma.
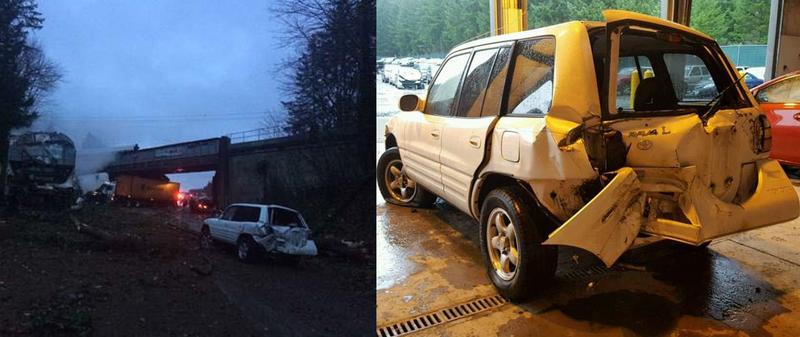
[(780, 100)]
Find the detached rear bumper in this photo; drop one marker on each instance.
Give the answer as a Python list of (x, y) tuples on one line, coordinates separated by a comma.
[(674, 203)]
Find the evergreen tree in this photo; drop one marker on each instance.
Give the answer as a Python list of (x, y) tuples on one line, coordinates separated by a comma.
[(25, 73), (418, 27), (332, 78)]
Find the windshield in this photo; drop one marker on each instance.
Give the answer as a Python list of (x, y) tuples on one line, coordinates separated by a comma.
[(661, 73)]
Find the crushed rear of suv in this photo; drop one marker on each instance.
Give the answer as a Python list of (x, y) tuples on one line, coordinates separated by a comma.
[(531, 134)]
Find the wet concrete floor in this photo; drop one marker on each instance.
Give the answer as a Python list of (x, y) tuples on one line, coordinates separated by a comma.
[(743, 285)]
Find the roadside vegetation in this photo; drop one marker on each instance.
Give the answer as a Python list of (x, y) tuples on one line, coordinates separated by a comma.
[(431, 28)]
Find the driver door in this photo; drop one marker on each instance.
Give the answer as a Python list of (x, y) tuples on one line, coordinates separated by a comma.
[(423, 130), (220, 228)]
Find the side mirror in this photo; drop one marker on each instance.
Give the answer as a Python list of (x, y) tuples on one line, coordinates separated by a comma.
[(216, 214), (409, 102)]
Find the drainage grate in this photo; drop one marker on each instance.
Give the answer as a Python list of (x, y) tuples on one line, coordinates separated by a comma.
[(586, 272), (442, 316)]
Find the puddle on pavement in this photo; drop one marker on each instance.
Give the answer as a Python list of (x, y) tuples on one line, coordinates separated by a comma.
[(393, 263), (643, 313), (407, 237), (706, 285)]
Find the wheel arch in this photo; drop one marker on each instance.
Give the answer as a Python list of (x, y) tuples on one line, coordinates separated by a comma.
[(244, 236), (492, 180), (391, 141)]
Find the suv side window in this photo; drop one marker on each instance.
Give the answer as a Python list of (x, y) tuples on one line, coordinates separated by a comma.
[(247, 214), (532, 79), (474, 86), (497, 82), (444, 88), (229, 213)]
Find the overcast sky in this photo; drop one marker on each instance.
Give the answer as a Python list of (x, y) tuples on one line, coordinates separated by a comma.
[(158, 72)]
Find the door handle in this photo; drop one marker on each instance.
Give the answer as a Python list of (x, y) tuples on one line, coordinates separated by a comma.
[(797, 116), (475, 141), (435, 133)]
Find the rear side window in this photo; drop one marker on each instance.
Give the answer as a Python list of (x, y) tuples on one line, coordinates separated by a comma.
[(698, 86), (282, 217), (531, 89), (628, 74), (474, 87), (497, 82), (247, 214), (784, 91), (444, 88)]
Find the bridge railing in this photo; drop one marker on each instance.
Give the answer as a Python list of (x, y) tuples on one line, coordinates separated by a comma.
[(257, 134)]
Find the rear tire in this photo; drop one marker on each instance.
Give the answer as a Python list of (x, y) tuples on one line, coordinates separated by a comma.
[(396, 187), (247, 249), (508, 234), (701, 247)]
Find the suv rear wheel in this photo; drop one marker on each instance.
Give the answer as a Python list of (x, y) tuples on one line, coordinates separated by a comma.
[(517, 262), (247, 249), (396, 187)]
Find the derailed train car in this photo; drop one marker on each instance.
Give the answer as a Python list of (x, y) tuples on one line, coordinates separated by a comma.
[(41, 170)]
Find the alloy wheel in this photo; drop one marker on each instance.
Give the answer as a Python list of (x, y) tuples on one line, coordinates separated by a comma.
[(502, 244), (401, 188)]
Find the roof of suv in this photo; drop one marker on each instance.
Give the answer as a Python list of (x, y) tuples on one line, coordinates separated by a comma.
[(264, 205), (610, 15)]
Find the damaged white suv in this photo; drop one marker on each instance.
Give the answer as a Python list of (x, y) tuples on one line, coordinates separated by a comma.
[(258, 229), (586, 134)]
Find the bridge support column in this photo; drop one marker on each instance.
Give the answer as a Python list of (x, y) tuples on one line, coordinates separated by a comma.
[(222, 181)]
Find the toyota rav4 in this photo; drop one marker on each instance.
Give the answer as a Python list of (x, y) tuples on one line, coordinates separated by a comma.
[(530, 134)]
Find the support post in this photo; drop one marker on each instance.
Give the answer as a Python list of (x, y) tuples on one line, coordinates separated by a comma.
[(679, 11), (508, 16), (222, 181), (773, 37)]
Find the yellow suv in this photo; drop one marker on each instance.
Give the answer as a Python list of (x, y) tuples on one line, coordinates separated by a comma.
[(536, 135)]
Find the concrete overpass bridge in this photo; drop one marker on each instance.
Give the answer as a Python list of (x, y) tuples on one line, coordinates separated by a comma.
[(247, 164)]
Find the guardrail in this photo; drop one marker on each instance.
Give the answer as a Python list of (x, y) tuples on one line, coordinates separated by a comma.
[(257, 134)]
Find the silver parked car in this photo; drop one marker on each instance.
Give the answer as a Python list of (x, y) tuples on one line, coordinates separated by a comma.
[(257, 229)]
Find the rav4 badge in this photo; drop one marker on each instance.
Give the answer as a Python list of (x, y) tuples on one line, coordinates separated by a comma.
[(644, 145)]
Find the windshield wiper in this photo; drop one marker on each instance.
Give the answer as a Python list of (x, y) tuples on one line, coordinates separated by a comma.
[(712, 105)]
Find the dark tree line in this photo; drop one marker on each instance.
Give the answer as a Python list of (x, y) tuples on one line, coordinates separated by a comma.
[(26, 75), (420, 27), (331, 80)]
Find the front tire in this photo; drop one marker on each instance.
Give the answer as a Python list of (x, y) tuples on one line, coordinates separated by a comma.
[(396, 187), (516, 261), (205, 238)]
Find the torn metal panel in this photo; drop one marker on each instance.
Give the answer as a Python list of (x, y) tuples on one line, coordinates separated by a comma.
[(609, 223), (681, 206), (287, 240), (563, 198)]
